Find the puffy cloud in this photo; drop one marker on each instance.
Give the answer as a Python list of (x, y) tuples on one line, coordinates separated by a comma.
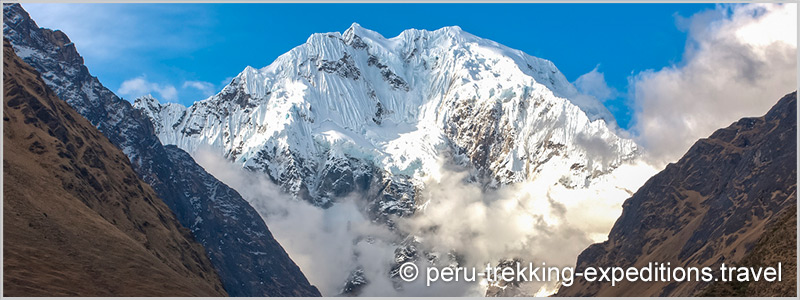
[(739, 60), (206, 88), (139, 86), (594, 84), (593, 91), (534, 221)]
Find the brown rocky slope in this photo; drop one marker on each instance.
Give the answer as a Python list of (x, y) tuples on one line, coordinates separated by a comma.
[(730, 199), (246, 256), (77, 220)]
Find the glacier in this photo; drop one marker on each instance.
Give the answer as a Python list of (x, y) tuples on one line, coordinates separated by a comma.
[(354, 103), (436, 129)]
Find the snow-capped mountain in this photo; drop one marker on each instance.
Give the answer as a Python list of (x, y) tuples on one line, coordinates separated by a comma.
[(360, 112)]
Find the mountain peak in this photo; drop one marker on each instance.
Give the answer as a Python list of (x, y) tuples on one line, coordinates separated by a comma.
[(453, 29), (11, 9), (353, 92), (148, 98), (146, 101), (354, 27), (355, 33)]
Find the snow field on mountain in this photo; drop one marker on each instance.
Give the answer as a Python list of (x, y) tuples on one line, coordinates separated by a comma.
[(506, 158)]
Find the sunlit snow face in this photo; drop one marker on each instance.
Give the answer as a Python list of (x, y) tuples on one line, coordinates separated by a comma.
[(559, 181), (305, 103)]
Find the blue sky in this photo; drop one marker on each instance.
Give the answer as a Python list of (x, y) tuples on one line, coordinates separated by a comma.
[(185, 52)]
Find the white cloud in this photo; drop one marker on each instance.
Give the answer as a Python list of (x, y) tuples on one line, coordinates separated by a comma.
[(139, 86), (206, 88), (535, 221), (327, 244), (739, 60), (168, 92), (594, 84)]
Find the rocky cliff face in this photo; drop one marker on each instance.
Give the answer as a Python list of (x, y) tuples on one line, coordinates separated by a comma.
[(77, 221), (247, 258), (727, 194)]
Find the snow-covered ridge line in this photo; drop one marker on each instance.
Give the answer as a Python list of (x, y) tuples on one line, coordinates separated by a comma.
[(345, 110)]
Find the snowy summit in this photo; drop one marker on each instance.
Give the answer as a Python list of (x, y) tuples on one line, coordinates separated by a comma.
[(345, 110)]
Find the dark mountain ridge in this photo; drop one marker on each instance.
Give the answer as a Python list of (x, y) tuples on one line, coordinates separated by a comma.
[(725, 197), (77, 221), (248, 259)]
